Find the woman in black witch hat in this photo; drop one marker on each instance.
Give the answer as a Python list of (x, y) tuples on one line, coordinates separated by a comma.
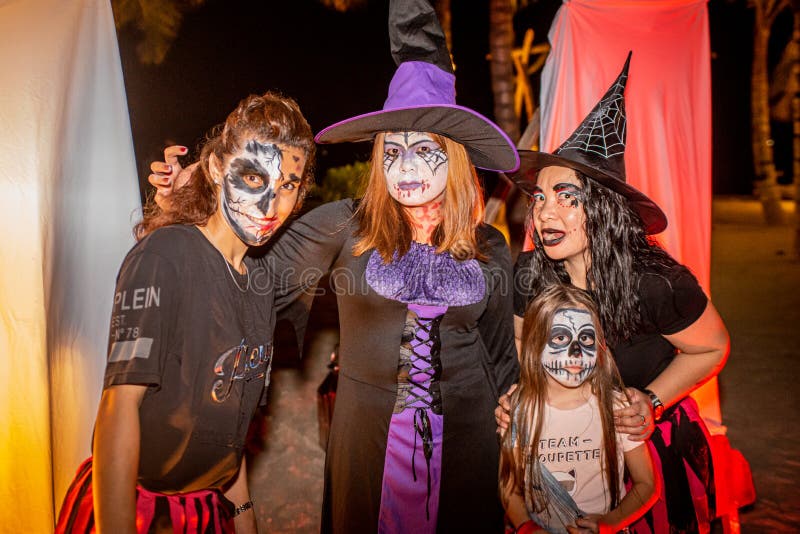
[(426, 311), (591, 229)]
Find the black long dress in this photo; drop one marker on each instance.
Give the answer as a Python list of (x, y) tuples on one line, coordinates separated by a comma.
[(478, 358)]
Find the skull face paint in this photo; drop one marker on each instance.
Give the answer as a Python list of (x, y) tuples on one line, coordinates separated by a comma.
[(570, 354), (259, 189), (415, 167)]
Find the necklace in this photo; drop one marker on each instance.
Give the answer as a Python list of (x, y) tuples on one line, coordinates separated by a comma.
[(233, 277), (228, 264)]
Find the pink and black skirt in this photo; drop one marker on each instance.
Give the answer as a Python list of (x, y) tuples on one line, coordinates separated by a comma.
[(198, 512), (681, 451)]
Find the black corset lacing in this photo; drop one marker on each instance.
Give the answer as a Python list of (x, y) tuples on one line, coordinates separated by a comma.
[(411, 394)]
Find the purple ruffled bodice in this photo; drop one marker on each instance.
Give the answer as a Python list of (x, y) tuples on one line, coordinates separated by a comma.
[(424, 277)]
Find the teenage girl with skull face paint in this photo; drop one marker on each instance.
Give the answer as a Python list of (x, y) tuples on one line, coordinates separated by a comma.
[(190, 350), (562, 463), (426, 313), (590, 229)]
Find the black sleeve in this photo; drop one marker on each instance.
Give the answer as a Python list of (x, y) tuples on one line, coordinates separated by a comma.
[(303, 254), (143, 319), (523, 286), (496, 325), (674, 301)]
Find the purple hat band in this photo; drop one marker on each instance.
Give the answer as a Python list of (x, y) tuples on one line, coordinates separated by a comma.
[(417, 83)]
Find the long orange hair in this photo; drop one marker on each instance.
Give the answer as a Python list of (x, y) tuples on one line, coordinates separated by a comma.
[(385, 226), (519, 454)]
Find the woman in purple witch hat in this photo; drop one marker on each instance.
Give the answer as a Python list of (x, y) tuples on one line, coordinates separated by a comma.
[(590, 229), (426, 312)]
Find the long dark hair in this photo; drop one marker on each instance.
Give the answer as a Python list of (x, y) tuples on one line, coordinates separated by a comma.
[(520, 452), (620, 253), (269, 116)]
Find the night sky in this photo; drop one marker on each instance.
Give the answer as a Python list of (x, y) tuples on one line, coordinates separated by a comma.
[(337, 65)]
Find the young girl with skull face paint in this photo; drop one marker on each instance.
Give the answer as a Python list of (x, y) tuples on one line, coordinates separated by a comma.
[(562, 465), (190, 349)]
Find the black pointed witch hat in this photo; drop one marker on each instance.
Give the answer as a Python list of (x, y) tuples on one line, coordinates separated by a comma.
[(422, 94), (597, 150)]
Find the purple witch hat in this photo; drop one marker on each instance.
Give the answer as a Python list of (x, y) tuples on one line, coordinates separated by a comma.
[(597, 150), (422, 94)]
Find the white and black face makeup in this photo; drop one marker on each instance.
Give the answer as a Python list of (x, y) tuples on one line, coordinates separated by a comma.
[(415, 167), (259, 189), (570, 354)]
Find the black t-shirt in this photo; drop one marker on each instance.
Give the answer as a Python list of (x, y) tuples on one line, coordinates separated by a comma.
[(668, 304), (182, 326)]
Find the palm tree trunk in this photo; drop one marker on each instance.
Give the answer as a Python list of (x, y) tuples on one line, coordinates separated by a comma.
[(443, 13), (501, 43), (766, 176), (796, 124)]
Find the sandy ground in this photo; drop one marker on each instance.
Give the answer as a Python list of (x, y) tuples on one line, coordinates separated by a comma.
[(755, 285)]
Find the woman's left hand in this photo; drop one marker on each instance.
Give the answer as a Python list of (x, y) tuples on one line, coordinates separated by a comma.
[(637, 418), (586, 525)]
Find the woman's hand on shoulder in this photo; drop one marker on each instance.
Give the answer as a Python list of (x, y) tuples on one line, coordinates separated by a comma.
[(635, 419), (169, 175), (502, 413)]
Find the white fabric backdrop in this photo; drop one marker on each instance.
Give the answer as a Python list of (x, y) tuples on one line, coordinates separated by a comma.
[(68, 191), (668, 103)]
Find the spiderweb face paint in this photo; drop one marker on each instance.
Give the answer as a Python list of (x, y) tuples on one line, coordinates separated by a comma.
[(257, 194), (415, 167), (571, 352)]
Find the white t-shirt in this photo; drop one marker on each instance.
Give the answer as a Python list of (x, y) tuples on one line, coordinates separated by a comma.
[(571, 448)]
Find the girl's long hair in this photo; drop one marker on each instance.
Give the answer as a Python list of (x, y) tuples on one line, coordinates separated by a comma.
[(520, 453), (270, 116), (620, 252), (385, 226)]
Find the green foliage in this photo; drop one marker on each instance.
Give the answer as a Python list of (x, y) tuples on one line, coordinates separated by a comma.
[(342, 182)]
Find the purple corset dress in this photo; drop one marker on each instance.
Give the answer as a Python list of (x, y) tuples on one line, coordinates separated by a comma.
[(429, 283)]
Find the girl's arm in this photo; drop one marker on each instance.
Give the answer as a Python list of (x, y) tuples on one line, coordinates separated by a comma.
[(116, 459), (515, 509), (514, 505), (239, 494), (518, 321), (642, 495)]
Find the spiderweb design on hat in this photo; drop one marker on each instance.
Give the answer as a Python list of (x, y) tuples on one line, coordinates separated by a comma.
[(602, 132)]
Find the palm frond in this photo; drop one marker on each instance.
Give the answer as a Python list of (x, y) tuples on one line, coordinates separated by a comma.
[(158, 21)]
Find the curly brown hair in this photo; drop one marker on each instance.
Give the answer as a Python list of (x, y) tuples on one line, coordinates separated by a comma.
[(269, 116)]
